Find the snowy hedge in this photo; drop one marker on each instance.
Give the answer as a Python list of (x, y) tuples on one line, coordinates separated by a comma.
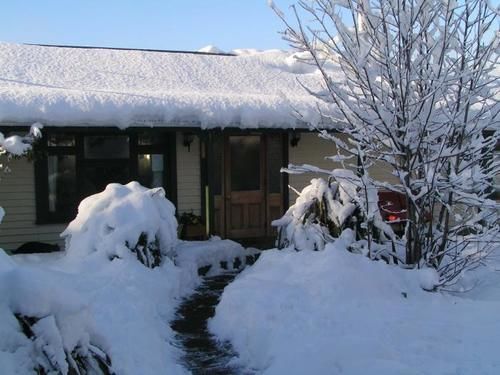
[(124, 219)]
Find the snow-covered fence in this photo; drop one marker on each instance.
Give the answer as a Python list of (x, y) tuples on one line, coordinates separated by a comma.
[(124, 220)]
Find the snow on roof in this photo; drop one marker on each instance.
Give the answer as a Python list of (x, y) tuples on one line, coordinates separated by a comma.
[(63, 86)]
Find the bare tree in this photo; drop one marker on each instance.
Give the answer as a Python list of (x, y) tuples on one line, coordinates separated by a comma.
[(414, 87)]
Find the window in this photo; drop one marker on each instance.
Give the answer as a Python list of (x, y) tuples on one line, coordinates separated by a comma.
[(62, 182), (106, 147), (150, 170), (70, 167)]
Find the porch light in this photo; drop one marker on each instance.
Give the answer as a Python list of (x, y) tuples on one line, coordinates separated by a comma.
[(294, 139), (187, 139)]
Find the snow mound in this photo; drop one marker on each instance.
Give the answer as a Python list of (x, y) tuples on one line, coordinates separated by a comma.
[(114, 221), (429, 278), (194, 255), (336, 312), (211, 49)]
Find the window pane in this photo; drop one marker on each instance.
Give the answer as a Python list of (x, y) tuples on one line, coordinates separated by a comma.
[(106, 147), (62, 184), (245, 162), (61, 140), (150, 170), (274, 162), (99, 174), (147, 139)]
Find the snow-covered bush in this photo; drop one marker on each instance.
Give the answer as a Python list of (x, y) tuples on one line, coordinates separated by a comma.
[(16, 146), (45, 326), (124, 220), (325, 208), (320, 213)]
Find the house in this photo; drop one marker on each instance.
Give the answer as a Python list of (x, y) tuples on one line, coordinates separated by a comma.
[(212, 129)]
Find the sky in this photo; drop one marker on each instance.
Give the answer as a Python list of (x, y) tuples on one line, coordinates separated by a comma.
[(156, 24)]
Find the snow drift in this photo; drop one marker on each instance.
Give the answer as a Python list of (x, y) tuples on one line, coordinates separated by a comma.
[(336, 312)]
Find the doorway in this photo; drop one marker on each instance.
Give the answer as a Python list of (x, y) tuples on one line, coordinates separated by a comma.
[(248, 185)]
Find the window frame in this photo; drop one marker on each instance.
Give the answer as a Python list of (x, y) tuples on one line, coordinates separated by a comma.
[(42, 150)]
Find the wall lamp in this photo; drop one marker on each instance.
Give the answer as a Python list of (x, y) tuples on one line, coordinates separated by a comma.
[(187, 139), (294, 139)]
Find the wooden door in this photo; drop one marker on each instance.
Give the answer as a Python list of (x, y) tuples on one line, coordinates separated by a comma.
[(245, 208)]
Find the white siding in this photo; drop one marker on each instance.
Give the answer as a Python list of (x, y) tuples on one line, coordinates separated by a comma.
[(188, 177), (312, 149), (17, 197)]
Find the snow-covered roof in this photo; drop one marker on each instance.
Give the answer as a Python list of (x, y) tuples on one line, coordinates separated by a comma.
[(63, 86)]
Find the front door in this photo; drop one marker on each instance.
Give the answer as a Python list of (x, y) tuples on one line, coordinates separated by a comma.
[(244, 186)]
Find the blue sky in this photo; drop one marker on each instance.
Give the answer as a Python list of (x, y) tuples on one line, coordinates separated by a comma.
[(162, 24)]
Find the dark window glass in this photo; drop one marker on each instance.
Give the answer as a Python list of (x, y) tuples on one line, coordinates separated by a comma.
[(106, 147), (61, 140), (274, 162), (148, 139), (150, 169), (99, 174), (245, 162), (62, 184)]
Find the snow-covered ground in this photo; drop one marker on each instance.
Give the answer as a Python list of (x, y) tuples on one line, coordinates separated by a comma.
[(121, 306), (98, 295), (333, 312)]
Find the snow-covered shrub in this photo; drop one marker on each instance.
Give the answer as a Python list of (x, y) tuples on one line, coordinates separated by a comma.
[(325, 208), (124, 220), (16, 146), (44, 325), (320, 213)]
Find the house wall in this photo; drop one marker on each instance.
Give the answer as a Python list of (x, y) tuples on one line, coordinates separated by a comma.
[(188, 177), (312, 149), (17, 197)]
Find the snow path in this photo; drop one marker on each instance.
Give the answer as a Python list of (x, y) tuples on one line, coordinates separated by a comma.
[(203, 354)]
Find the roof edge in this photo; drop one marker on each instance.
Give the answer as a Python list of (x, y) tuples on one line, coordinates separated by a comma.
[(131, 49)]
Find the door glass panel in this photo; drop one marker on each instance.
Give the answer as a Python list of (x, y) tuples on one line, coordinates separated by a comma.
[(274, 162), (218, 152), (148, 139), (150, 170), (62, 183), (245, 162), (61, 140), (106, 147)]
